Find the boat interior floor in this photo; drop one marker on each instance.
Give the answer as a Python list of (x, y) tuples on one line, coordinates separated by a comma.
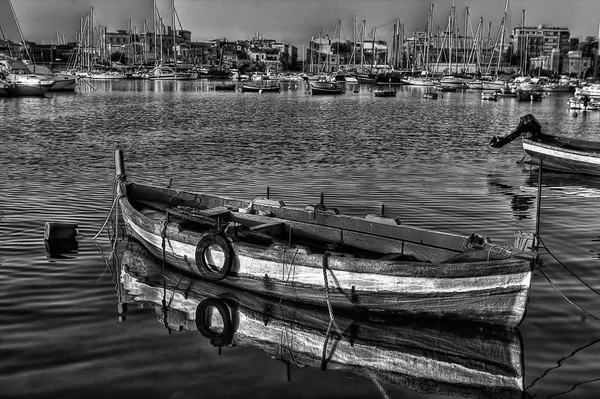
[(276, 233)]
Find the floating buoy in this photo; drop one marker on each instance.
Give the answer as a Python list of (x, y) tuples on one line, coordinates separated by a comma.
[(575, 114), (57, 231)]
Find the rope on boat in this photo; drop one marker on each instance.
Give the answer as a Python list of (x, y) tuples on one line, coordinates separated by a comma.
[(112, 208), (292, 266), (497, 249), (163, 235), (338, 337), (328, 295)]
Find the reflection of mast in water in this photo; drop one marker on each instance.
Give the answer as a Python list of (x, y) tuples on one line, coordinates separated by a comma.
[(520, 203), (463, 359)]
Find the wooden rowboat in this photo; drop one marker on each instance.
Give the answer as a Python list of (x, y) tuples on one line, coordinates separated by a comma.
[(316, 256), (260, 87), (326, 87), (561, 154), (456, 359)]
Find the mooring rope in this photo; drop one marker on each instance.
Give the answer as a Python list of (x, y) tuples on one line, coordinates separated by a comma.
[(326, 256), (567, 299), (338, 337), (112, 208), (566, 268)]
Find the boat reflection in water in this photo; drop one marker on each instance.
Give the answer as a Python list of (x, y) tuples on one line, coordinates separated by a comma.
[(462, 359)]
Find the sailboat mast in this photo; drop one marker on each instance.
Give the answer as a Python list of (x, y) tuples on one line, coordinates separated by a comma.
[(522, 60), (339, 29), (502, 34), (354, 44), (598, 52), (464, 46), (373, 47), (173, 29), (362, 48), (92, 43), (154, 23)]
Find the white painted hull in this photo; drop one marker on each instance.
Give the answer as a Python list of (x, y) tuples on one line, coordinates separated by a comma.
[(563, 160), (495, 291)]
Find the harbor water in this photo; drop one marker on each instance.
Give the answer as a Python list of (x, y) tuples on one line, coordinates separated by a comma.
[(62, 330)]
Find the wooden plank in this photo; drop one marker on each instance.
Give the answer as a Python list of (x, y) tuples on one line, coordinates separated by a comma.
[(360, 240), (200, 219), (275, 229)]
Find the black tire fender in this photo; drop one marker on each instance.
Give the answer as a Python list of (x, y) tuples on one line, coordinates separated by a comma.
[(203, 321), (209, 272)]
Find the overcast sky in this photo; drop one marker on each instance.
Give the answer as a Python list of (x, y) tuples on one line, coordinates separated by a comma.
[(292, 21)]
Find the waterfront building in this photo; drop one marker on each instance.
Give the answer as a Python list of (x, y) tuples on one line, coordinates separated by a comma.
[(532, 42), (574, 64)]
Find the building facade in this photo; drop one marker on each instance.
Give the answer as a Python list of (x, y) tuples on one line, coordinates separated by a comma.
[(547, 45)]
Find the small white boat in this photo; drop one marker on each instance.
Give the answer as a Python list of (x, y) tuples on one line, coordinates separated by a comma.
[(583, 103), (167, 73), (20, 80), (591, 90), (490, 95), (62, 81)]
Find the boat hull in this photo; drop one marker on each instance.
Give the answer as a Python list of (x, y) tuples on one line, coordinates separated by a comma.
[(64, 83), (561, 159), (28, 86), (325, 88), (258, 88), (494, 291)]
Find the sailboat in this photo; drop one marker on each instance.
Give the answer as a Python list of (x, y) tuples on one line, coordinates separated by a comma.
[(20, 81), (165, 72), (424, 80), (497, 83)]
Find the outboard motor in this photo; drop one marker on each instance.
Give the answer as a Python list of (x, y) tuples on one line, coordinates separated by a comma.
[(528, 123)]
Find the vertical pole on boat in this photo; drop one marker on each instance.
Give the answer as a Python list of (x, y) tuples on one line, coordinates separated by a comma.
[(119, 164), (539, 205), (268, 192)]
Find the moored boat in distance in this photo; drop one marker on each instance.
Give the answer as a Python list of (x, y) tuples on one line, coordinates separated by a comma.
[(591, 90), (490, 95), (559, 153), (529, 95), (20, 81), (384, 92), (62, 81), (326, 87), (454, 359), (261, 87), (106, 75), (316, 256), (223, 86), (583, 103), (164, 72)]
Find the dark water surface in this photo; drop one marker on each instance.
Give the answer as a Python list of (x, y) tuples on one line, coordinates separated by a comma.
[(427, 161)]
